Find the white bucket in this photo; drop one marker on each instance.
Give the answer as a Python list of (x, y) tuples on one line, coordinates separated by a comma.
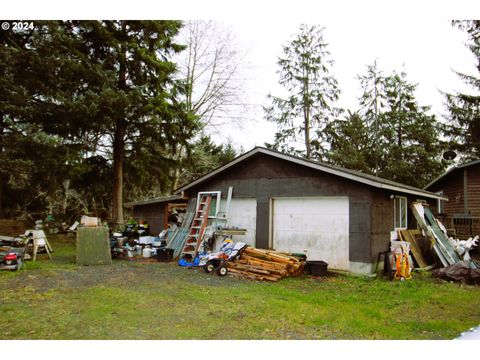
[(147, 252)]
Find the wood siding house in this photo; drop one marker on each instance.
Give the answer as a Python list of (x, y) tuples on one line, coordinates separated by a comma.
[(461, 184)]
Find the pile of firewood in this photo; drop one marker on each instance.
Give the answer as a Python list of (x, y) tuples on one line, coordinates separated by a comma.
[(268, 265)]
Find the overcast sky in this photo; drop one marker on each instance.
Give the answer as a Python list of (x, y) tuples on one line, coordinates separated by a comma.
[(416, 34), (428, 50)]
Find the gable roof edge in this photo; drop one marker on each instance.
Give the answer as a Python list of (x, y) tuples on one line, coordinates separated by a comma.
[(455, 167), (318, 166)]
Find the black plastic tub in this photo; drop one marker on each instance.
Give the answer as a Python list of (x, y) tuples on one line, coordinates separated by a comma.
[(317, 268), (164, 254)]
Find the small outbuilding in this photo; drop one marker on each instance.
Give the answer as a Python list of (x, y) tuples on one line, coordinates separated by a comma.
[(329, 213), (156, 212)]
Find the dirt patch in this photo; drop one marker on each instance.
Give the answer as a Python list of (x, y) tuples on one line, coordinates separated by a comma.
[(11, 227)]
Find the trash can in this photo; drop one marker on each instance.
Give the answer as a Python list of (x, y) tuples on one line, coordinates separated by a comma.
[(317, 268), (165, 254)]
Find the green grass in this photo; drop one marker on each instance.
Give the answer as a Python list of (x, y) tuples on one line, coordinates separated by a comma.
[(58, 300)]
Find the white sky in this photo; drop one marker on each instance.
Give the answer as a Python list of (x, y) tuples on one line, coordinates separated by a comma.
[(416, 33), (428, 50)]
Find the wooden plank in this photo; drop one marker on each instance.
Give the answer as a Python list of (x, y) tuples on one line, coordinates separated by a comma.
[(248, 268), (271, 269), (449, 252), (400, 235), (252, 276), (283, 255), (273, 264), (442, 247), (414, 248)]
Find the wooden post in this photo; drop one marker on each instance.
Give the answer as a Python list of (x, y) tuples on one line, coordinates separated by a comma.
[(227, 208)]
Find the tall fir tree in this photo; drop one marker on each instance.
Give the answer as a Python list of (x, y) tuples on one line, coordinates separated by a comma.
[(350, 145), (392, 136), (108, 86), (305, 73), (372, 101), (464, 108), (409, 136)]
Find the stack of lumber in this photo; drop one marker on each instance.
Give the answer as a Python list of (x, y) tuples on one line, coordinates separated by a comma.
[(257, 264)]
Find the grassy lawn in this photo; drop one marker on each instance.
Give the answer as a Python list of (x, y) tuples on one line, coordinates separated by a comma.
[(58, 300)]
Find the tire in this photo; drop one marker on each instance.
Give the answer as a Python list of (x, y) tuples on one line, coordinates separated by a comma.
[(222, 270), (209, 267)]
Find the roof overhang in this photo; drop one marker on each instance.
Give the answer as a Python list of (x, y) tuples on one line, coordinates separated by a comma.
[(452, 169), (344, 173), (158, 200)]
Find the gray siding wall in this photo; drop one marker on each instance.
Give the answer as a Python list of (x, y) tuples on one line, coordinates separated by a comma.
[(263, 177)]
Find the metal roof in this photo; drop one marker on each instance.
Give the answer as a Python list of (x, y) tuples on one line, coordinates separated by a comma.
[(331, 169), (154, 200), (455, 167)]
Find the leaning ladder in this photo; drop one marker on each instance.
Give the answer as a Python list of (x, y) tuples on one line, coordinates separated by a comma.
[(197, 230)]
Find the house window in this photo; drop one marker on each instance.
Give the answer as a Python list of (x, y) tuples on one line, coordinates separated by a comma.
[(440, 203), (400, 212), (214, 205)]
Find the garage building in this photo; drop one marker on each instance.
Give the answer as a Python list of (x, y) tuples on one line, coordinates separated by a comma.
[(329, 213)]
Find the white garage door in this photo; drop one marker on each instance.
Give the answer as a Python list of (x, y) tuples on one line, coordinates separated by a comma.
[(315, 226), (243, 215)]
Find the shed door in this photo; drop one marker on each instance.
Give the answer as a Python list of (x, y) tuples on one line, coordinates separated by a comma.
[(315, 226), (243, 215)]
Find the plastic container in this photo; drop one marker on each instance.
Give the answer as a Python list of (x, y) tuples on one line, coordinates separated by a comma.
[(147, 252), (164, 254), (317, 268), (88, 221)]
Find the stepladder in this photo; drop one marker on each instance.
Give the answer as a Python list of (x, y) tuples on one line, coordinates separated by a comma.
[(197, 229)]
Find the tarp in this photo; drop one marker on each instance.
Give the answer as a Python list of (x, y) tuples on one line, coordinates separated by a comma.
[(460, 271)]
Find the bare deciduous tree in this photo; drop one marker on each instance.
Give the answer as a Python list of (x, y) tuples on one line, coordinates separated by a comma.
[(212, 66)]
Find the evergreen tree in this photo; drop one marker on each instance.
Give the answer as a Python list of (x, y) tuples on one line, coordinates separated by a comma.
[(205, 156), (372, 101), (305, 73), (406, 138), (349, 143), (391, 136), (108, 86), (464, 108)]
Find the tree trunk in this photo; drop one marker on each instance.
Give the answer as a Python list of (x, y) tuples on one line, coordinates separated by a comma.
[(118, 158), (119, 144), (307, 132), (306, 115), (177, 156), (2, 214)]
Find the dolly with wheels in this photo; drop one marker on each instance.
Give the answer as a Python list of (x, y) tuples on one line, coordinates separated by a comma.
[(218, 261), (217, 265)]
